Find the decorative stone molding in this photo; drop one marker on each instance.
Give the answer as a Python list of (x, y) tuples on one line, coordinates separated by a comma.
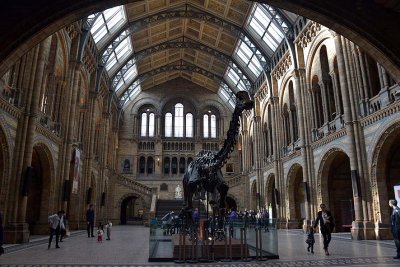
[(282, 67), (381, 114), (308, 34), (329, 138), (10, 109)]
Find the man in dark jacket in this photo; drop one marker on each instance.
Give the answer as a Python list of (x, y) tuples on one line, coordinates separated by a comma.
[(395, 225), (90, 220), (325, 220)]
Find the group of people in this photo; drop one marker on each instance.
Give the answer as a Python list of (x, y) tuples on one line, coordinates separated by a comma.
[(326, 224), (100, 228), (57, 225)]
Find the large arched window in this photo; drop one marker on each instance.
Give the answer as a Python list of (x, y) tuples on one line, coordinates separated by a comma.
[(168, 125), (151, 125), (213, 126), (178, 120), (205, 126), (209, 125), (189, 125), (143, 125)]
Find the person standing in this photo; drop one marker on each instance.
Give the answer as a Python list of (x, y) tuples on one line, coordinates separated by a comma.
[(310, 239), (108, 227), (55, 227), (395, 226), (90, 220), (325, 220)]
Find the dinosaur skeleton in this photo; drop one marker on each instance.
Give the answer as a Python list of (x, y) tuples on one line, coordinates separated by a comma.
[(204, 172)]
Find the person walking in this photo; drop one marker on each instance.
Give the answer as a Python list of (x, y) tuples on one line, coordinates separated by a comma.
[(325, 221), (62, 228), (90, 220), (55, 227), (310, 239), (395, 226)]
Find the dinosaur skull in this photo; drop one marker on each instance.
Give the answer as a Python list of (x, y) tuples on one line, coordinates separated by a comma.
[(243, 100)]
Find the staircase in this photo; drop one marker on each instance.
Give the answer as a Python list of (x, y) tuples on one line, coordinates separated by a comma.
[(165, 206)]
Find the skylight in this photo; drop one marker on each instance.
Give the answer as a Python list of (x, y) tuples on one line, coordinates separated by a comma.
[(120, 52), (125, 75), (249, 58), (227, 94), (107, 23), (235, 79), (267, 23)]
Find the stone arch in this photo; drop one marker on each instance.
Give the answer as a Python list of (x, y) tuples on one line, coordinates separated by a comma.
[(335, 189), (295, 200), (137, 105), (232, 202), (315, 46), (133, 213), (253, 195), (5, 170), (379, 172), (270, 194), (42, 185)]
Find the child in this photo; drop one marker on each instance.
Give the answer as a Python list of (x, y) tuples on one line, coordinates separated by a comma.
[(100, 233), (310, 239), (108, 227)]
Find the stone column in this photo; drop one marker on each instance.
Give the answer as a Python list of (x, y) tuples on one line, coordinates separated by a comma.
[(21, 227), (303, 144), (357, 228)]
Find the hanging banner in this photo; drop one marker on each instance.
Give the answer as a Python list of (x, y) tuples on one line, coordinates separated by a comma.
[(397, 192), (76, 165)]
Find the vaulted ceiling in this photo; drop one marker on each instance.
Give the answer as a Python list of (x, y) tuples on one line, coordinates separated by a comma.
[(197, 39), (213, 43)]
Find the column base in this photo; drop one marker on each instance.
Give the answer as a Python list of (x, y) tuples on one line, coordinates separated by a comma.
[(16, 233), (383, 231), (357, 230), (294, 224)]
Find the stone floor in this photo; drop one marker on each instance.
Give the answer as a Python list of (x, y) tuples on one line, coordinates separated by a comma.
[(129, 246)]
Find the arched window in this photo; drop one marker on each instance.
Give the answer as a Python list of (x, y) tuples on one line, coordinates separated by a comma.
[(168, 125), (151, 125), (182, 165), (189, 125), (178, 120), (143, 125), (150, 165), (205, 126), (166, 165), (213, 126), (142, 164), (174, 165)]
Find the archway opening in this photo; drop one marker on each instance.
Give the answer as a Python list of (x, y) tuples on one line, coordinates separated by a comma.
[(340, 192), (296, 198), (387, 174), (230, 203), (253, 203), (130, 211), (270, 200), (38, 193)]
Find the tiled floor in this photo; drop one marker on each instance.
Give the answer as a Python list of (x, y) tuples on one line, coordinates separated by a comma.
[(129, 246)]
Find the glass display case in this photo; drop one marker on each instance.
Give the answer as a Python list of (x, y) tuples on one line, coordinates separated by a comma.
[(203, 241)]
